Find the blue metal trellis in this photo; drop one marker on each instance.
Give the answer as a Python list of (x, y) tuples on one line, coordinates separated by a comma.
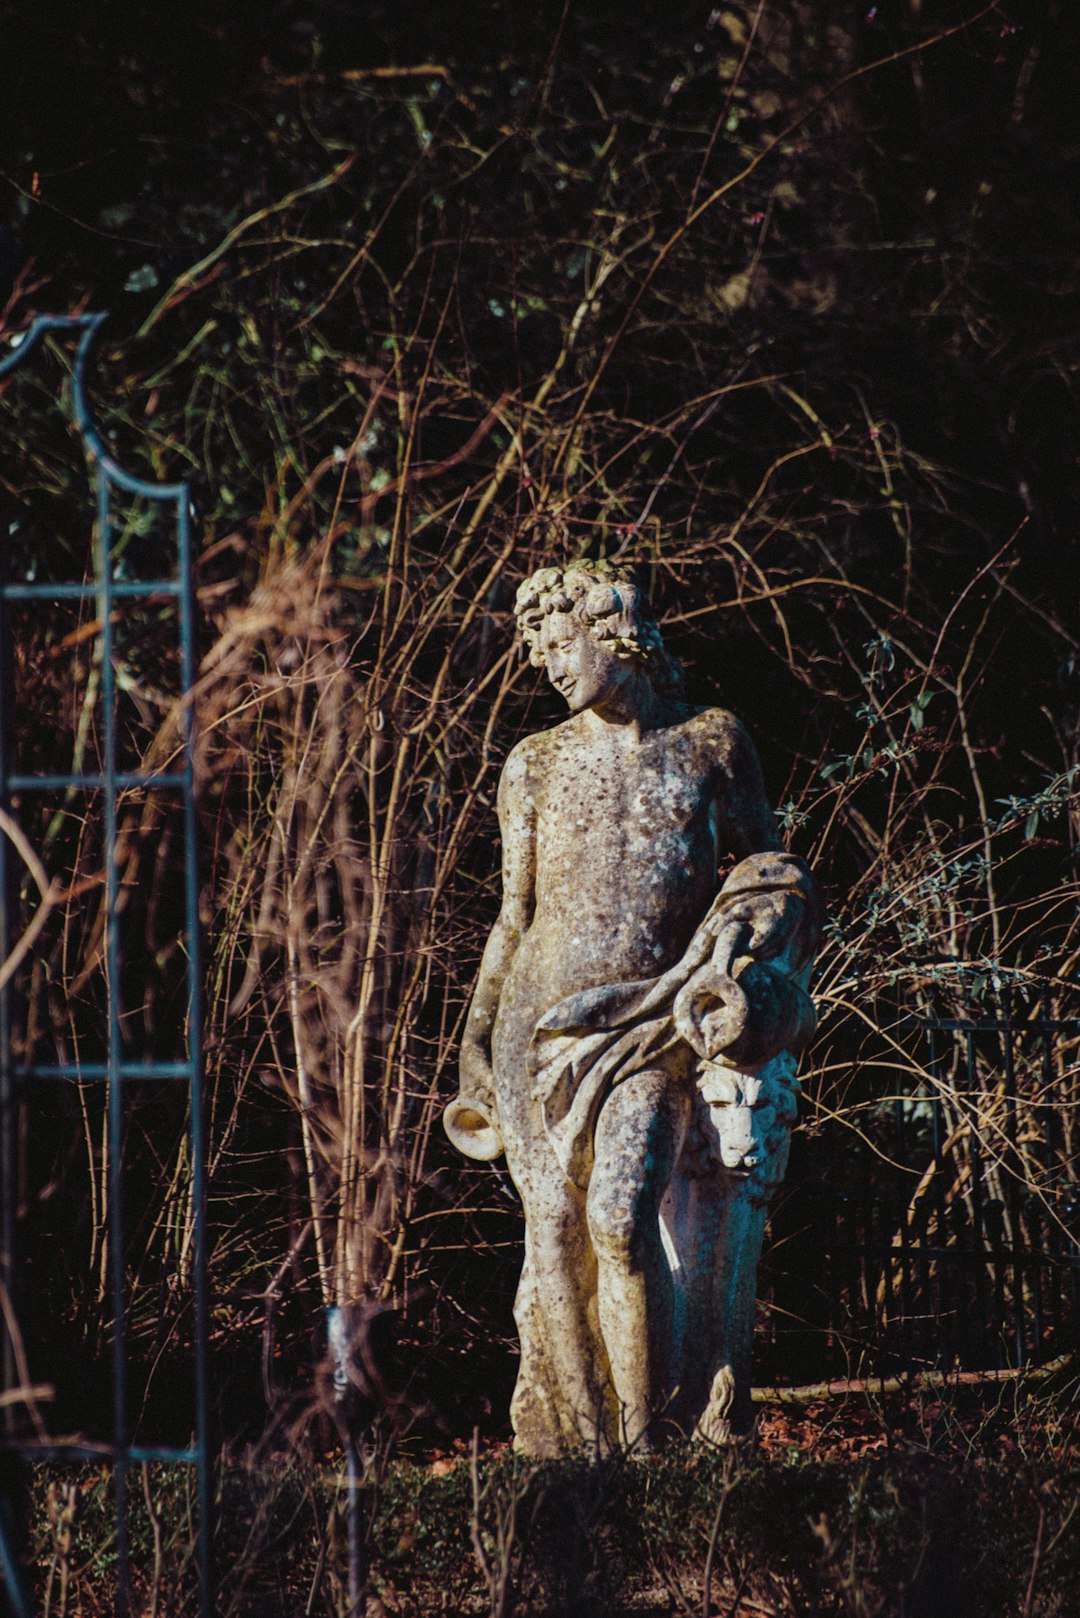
[(115, 1072)]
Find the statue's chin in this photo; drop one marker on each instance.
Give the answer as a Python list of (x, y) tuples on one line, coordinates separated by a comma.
[(473, 1129)]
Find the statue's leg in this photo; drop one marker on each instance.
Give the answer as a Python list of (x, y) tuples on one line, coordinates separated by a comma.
[(560, 1398), (538, 1407), (729, 1410), (638, 1138), (745, 1213)]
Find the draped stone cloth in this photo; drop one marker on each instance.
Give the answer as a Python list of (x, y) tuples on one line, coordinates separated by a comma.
[(737, 996)]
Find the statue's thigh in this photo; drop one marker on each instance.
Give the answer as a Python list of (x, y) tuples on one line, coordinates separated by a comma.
[(638, 1138), (554, 1209)]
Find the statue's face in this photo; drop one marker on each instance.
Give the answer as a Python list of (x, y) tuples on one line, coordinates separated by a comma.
[(580, 669)]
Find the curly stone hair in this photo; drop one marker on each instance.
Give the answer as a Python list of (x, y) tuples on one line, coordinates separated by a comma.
[(603, 597)]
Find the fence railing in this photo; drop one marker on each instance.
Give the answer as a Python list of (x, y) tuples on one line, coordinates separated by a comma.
[(936, 1223)]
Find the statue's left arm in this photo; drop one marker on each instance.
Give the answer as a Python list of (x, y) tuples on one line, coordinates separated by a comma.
[(747, 823), (748, 827)]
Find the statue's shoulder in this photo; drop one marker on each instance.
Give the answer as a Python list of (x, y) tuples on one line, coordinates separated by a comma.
[(525, 760), (525, 754), (537, 749), (535, 759), (722, 734)]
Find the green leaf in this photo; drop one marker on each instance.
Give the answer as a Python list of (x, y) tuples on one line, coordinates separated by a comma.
[(144, 279)]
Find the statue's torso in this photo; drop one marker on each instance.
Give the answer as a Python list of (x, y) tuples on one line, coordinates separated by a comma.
[(628, 832)]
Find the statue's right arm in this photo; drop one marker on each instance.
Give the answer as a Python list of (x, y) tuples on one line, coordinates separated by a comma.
[(517, 825)]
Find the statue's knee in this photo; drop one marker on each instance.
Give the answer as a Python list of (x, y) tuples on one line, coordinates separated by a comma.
[(614, 1223)]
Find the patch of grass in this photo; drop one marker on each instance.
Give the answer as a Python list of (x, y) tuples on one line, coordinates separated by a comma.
[(901, 1532)]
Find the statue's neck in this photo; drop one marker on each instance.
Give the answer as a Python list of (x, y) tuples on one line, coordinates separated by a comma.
[(632, 708)]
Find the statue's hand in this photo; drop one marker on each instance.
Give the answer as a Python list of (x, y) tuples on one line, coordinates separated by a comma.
[(759, 925), (475, 1071), (773, 895), (774, 920)]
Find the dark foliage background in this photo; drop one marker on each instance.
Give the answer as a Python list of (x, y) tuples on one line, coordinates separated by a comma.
[(779, 301)]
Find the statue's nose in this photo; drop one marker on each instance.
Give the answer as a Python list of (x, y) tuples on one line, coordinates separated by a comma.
[(736, 1127)]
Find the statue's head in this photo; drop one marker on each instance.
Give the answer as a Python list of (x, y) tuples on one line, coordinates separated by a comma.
[(589, 625)]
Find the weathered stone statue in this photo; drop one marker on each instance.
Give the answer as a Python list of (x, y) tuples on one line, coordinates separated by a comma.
[(631, 1043)]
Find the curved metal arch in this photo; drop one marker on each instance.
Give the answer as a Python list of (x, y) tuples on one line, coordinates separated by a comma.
[(23, 343), (89, 325)]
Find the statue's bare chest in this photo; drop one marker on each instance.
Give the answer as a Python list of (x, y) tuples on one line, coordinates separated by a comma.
[(653, 800)]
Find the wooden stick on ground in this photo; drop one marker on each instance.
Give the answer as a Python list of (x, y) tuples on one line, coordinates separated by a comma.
[(839, 1389)]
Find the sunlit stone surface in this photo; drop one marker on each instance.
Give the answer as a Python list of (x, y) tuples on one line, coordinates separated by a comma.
[(631, 1044)]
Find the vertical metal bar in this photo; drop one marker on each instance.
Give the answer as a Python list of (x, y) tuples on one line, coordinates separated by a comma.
[(341, 1325), (1047, 1108), (928, 1338), (1016, 1232), (908, 1326), (12, 1525), (353, 1478), (115, 1098), (850, 1257), (956, 1240), (978, 1243), (1037, 1257), (941, 1244), (924, 1268), (829, 1270), (939, 1288), (884, 1246), (863, 1251), (996, 1234), (900, 1203), (13, 1584), (195, 1058), (8, 1120), (1052, 1240), (1034, 1224)]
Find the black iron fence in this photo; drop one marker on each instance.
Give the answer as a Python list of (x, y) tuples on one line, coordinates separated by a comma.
[(931, 1219)]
